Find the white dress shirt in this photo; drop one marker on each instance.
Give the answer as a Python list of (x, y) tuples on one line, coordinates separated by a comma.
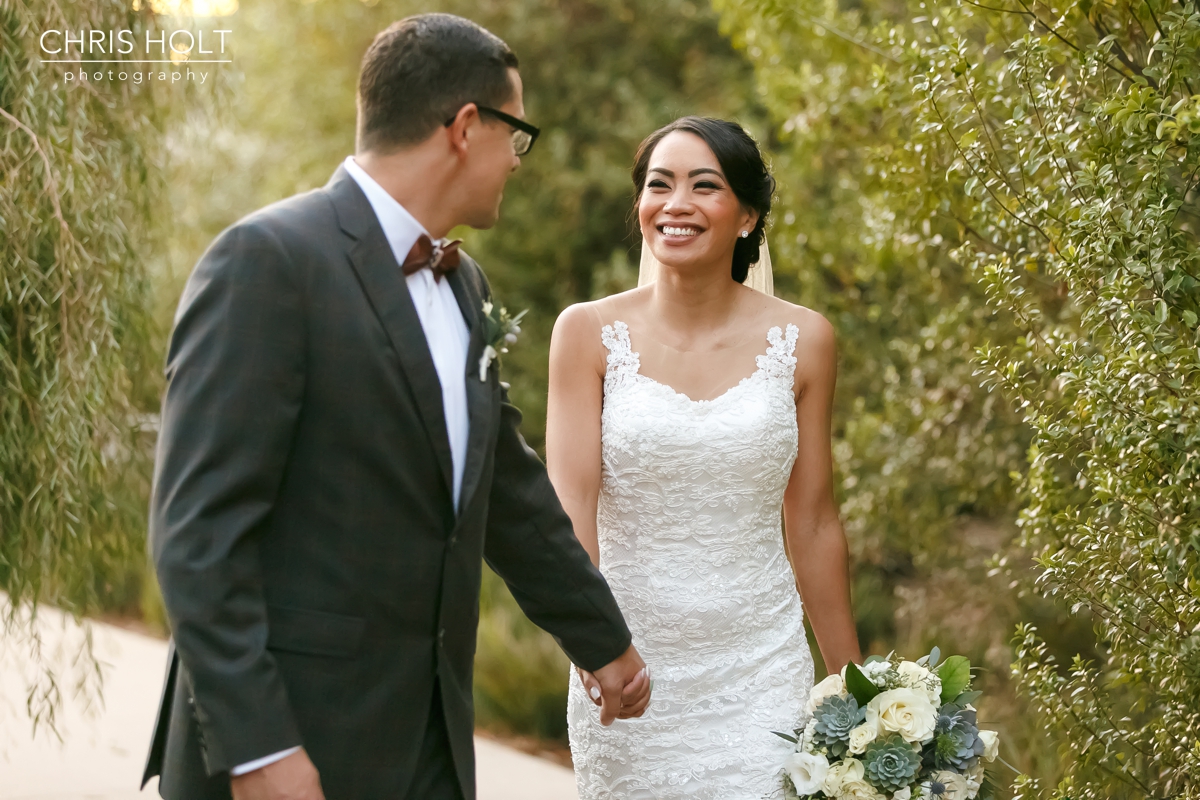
[(446, 333), (442, 321)]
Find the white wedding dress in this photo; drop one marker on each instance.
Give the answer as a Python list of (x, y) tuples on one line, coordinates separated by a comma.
[(691, 544)]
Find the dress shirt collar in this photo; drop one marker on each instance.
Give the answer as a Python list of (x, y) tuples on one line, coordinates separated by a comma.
[(400, 227)]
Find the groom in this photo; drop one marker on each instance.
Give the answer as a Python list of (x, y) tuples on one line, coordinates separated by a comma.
[(332, 469)]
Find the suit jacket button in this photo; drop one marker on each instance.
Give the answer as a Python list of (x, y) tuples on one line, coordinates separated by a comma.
[(453, 541), (441, 636)]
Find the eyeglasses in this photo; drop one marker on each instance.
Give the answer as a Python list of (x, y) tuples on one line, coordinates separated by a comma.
[(523, 135)]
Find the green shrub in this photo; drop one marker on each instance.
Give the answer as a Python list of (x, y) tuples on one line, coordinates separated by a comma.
[(520, 672), (1047, 156)]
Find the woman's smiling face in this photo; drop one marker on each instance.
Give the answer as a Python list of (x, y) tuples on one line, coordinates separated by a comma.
[(688, 213)]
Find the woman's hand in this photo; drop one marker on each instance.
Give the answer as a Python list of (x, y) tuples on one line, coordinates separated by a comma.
[(634, 698)]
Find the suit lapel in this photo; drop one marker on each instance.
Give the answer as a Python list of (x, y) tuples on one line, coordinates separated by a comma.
[(387, 291), (479, 393)]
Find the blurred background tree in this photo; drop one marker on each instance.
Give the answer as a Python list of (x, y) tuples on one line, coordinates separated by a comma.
[(81, 178)]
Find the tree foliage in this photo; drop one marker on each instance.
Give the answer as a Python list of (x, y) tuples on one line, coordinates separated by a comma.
[(80, 181), (1054, 150)]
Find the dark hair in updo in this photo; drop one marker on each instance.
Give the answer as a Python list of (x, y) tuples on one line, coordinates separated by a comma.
[(744, 169)]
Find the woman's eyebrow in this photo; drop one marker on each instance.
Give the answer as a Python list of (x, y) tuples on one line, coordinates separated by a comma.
[(692, 174)]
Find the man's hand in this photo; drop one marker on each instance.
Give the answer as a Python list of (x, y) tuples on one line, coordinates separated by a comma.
[(290, 778), (621, 688)]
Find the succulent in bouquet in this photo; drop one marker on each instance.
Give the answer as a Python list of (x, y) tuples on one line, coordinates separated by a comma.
[(893, 730)]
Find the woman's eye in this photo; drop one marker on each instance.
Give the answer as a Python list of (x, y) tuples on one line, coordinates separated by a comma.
[(706, 185), (657, 184)]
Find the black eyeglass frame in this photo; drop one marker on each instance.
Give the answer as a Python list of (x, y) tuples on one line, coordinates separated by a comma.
[(521, 125)]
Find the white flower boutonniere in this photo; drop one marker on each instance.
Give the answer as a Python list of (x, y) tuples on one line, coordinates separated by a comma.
[(500, 330)]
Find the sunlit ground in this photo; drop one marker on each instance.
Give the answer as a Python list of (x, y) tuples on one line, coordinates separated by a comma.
[(103, 748)]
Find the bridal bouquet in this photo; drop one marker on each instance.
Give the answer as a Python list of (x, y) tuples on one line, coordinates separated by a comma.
[(893, 730)]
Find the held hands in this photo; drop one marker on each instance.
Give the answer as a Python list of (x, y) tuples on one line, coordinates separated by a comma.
[(291, 778), (621, 688)]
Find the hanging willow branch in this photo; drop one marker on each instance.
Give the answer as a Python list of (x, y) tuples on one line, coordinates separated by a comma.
[(82, 168)]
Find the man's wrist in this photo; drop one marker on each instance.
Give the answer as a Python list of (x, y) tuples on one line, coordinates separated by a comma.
[(259, 763)]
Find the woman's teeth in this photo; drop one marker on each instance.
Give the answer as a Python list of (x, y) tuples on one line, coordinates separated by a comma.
[(672, 231)]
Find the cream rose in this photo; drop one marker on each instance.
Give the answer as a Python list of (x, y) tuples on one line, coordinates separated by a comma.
[(914, 676), (807, 772), (956, 785), (907, 712), (991, 744), (830, 687), (862, 736), (859, 789), (848, 769), (903, 794)]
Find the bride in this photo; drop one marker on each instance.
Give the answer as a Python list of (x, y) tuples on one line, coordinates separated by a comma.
[(683, 416)]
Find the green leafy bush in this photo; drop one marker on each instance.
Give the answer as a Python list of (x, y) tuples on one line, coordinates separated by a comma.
[(1050, 153)]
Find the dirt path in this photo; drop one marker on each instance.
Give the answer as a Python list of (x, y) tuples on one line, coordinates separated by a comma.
[(103, 751)]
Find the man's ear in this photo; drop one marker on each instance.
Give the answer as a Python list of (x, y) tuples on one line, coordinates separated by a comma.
[(461, 129)]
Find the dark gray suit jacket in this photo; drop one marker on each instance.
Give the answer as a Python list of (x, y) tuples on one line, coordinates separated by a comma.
[(315, 574)]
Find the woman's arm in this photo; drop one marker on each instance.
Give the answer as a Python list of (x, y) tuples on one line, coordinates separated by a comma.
[(573, 419), (816, 543)]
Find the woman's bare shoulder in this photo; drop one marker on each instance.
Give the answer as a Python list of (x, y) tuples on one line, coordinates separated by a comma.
[(577, 323), (815, 333), (588, 318)]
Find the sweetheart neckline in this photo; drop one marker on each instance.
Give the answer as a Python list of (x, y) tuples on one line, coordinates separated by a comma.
[(637, 372), (710, 400)]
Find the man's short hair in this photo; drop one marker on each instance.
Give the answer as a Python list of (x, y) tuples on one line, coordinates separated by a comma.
[(420, 71)]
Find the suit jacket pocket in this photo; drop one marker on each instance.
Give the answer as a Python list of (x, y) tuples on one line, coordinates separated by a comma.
[(316, 633)]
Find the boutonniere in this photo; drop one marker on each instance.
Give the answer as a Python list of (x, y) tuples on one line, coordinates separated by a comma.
[(499, 330)]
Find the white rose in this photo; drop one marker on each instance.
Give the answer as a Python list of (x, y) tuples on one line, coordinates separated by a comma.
[(991, 744), (914, 676), (807, 772), (862, 736), (832, 686), (848, 769), (956, 785), (907, 712), (859, 789), (903, 794)]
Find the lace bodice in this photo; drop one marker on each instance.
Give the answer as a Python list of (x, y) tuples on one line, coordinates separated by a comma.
[(688, 521)]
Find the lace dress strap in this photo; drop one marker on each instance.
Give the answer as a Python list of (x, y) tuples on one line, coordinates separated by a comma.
[(780, 361), (622, 362)]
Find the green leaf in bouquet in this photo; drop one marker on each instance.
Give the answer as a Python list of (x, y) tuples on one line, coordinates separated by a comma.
[(955, 673), (859, 685), (873, 659), (967, 697), (787, 736), (935, 655), (988, 788)]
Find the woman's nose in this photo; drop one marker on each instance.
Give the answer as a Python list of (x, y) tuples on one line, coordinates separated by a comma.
[(678, 201)]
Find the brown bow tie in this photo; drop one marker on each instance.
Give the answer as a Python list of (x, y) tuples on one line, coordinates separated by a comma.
[(441, 257)]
